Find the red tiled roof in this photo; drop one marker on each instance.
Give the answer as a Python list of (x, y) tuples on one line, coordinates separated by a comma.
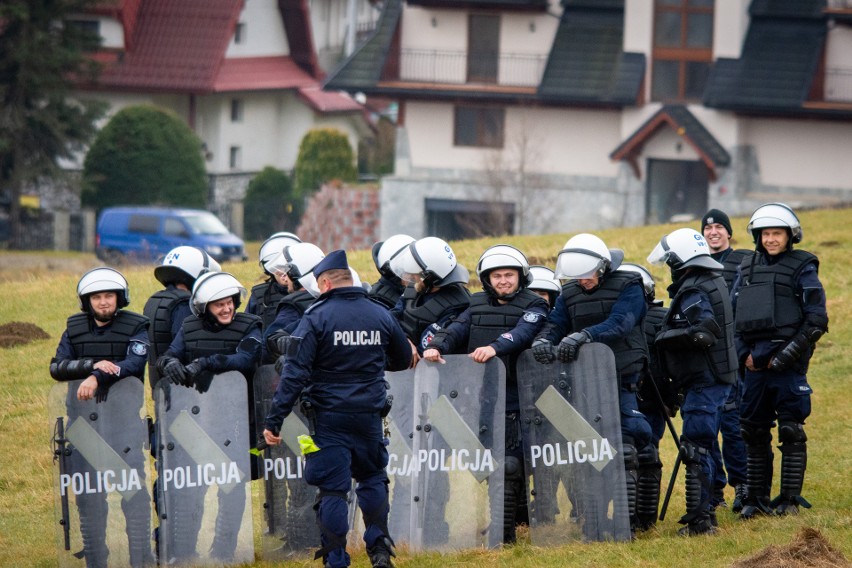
[(261, 73), (176, 46), (329, 101)]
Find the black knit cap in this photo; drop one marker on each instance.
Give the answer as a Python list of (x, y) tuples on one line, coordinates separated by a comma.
[(717, 216)]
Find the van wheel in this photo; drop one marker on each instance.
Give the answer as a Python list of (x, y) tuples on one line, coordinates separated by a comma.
[(113, 257)]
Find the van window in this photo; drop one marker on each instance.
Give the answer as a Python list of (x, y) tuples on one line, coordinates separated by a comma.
[(175, 228), (147, 224), (206, 224)]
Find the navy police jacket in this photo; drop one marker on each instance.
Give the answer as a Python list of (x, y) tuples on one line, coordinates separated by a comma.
[(347, 342), (133, 365), (244, 359)]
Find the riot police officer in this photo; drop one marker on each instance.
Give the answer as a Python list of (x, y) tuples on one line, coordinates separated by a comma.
[(545, 284), (655, 399), (214, 339), (696, 345), (731, 459), (295, 266), (781, 313), (346, 343), (604, 304), (389, 287), (102, 345), (167, 308), (264, 297), (502, 321), (435, 290)]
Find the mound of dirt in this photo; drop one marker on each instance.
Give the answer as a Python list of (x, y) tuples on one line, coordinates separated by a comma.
[(809, 549), (20, 333)]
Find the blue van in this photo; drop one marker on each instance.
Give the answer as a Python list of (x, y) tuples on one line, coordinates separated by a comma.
[(145, 234)]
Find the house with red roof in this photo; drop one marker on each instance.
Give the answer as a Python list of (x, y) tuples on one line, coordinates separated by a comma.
[(244, 74)]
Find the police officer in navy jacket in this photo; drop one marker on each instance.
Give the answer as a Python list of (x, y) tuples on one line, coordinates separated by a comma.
[(345, 343)]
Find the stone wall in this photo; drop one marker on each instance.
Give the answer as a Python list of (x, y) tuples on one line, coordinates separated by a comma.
[(341, 217)]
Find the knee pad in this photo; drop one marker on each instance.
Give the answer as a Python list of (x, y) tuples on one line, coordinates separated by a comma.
[(791, 433), (649, 455), (513, 469), (755, 435)]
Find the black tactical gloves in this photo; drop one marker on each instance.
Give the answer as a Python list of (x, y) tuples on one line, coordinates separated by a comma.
[(173, 370), (569, 347), (543, 351), (790, 353)]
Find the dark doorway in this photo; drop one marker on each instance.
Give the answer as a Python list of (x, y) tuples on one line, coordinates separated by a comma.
[(677, 190), (454, 220), (483, 48)]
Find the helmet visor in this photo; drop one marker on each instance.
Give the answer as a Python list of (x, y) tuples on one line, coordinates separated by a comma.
[(573, 264), (660, 254)]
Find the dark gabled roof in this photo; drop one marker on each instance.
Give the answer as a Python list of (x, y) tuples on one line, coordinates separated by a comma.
[(587, 63), (522, 5), (684, 123), (787, 8), (779, 62), (363, 68)]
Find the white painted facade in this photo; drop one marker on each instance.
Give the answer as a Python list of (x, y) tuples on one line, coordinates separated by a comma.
[(771, 158)]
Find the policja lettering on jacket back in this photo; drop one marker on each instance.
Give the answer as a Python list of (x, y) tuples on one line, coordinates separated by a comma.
[(358, 337)]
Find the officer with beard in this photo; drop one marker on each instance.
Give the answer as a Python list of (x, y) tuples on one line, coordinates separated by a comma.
[(435, 291), (502, 321), (346, 342), (603, 304), (781, 313), (264, 297), (214, 339), (696, 346), (103, 345)]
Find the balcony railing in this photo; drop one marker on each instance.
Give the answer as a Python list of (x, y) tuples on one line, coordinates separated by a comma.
[(838, 85), (457, 67)]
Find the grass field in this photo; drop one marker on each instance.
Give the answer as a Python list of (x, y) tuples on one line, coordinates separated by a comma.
[(39, 288)]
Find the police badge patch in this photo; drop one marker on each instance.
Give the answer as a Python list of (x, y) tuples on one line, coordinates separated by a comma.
[(531, 317), (138, 348)]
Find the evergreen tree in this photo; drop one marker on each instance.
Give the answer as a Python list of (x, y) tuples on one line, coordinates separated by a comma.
[(324, 155), (145, 155), (41, 56)]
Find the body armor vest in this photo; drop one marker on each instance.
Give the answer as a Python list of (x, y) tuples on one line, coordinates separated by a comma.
[(266, 296), (588, 309), (158, 309), (767, 306), (721, 356), (386, 293), (416, 318), (112, 345), (301, 300), (652, 325), (202, 342), (731, 263)]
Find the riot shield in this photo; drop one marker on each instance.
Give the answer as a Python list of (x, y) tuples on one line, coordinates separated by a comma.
[(289, 522), (456, 462), (399, 428), (204, 444), (571, 424), (103, 503)]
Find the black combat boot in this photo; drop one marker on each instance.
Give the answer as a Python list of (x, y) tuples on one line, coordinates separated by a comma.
[(381, 552)]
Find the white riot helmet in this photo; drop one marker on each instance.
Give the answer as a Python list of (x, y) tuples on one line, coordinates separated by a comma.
[(586, 255), (544, 279), (185, 264), (432, 260), (683, 248), (772, 215), (297, 262), (103, 279), (647, 279), (384, 251), (215, 286), (503, 256), (272, 247)]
